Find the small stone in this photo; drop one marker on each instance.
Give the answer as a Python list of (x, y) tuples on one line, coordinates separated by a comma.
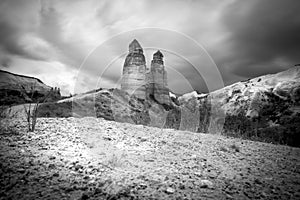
[(52, 157), (21, 170), (149, 160), (56, 174), (263, 194), (89, 171), (170, 190), (77, 167), (84, 196), (206, 184), (107, 138), (257, 181), (197, 174), (51, 166), (181, 186)]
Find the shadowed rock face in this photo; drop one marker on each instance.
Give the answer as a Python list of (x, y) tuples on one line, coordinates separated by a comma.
[(134, 69), (15, 89)]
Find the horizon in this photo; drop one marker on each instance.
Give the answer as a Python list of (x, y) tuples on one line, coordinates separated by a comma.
[(71, 44)]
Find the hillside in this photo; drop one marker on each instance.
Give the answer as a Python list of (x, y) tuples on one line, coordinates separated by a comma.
[(265, 108), (251, 95), (92, 158), (16, 89), (15, 81)]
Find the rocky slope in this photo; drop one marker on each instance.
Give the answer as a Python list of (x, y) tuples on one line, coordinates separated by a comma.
[(251, 95), (15, 89), (265, 108), (91, 158)]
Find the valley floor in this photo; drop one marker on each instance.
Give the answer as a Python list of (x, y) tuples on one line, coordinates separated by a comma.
[(89, 158)]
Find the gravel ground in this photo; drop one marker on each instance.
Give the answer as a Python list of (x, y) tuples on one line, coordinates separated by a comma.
[(90, 158)]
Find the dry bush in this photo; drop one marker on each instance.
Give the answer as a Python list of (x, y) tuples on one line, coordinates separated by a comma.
[(32, 109)]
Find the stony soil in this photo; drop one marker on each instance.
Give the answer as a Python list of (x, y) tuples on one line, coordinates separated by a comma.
[(90, 158)]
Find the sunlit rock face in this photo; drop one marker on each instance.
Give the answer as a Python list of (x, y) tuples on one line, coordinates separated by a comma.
[(134, 70), (157, 82)]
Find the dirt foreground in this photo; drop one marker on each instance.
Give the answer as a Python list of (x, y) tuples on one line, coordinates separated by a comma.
[(90, 158)]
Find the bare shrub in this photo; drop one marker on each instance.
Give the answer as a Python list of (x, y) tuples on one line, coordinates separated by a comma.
[(31, 109)]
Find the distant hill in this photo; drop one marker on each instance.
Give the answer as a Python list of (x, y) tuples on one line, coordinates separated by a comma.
[(12, 85)]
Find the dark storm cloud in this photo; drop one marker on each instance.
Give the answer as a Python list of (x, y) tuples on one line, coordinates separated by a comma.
[(264, 35), (244, 38), (18, 21)]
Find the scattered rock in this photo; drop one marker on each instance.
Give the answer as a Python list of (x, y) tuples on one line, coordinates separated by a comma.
[(107, 138), (51, 166), (257, 181), (76, 173), (206, 184), (170, 190), (21, 170), (198, 174), (52, 157), (84, 196), (78, 166), (56, 174)]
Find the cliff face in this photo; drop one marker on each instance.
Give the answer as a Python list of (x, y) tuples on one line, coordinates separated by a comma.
[(134, 70), (13, 87)]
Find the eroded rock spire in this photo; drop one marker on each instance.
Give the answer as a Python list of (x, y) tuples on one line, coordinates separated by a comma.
[(134, 70), (135, 47), (157, 86)]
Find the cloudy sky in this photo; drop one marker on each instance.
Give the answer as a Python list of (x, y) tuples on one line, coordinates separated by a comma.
[(81, 45)]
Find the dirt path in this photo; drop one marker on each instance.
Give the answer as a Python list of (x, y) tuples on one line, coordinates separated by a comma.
[(92, 158)]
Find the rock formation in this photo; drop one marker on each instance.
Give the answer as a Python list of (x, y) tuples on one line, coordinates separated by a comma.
[(157, 86), (134, 70), (143, 83)]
